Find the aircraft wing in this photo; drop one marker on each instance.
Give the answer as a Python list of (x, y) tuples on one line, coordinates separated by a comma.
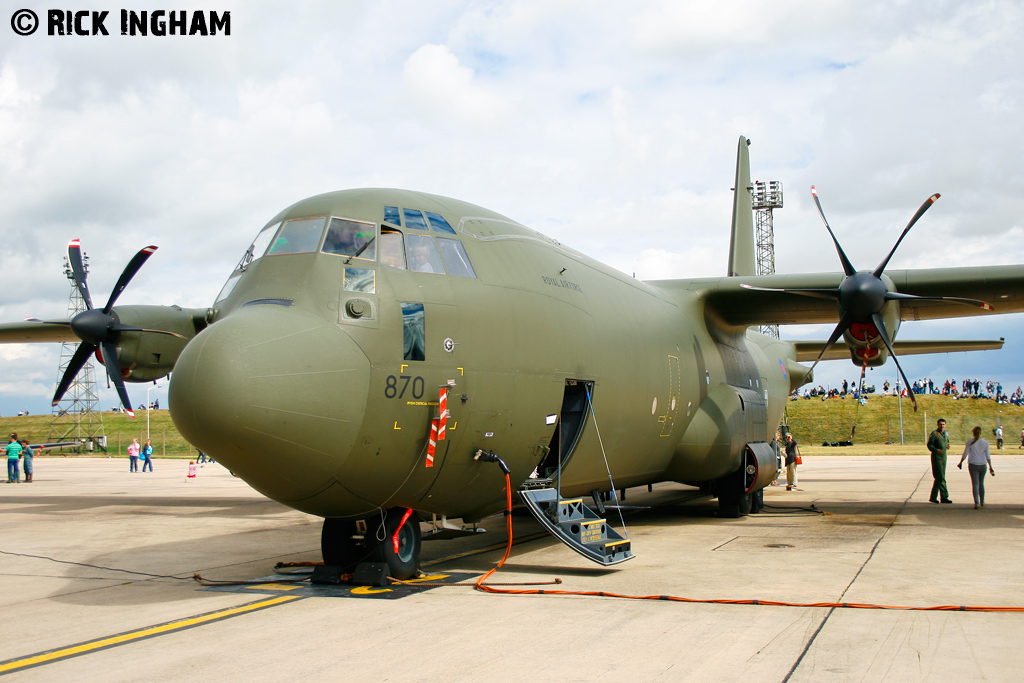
[(30, 332), (808, 350), (728, 302)]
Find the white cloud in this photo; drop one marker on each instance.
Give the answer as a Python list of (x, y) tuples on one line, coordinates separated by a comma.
[(440, 88)]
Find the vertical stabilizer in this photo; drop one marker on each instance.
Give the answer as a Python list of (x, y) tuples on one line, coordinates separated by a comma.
[(741, 244)]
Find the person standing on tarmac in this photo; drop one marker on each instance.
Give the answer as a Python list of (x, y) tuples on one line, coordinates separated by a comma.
[(26, 460), (791, 453), (13, 459), (147, 456), (978, 458), (938, 444)]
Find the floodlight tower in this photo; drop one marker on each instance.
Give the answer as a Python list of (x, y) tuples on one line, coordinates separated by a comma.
[(73, 414), (765, 197)]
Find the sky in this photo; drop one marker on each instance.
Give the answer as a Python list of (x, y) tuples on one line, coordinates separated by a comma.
[(609, 126)]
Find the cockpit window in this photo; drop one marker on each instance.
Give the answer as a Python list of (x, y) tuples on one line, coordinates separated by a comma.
[(422, 254), (298, 236), (439, 223), (391, 215), (455, 258), (225, 291), (414, 220), (258, 246), (351, 238), (392, 251)]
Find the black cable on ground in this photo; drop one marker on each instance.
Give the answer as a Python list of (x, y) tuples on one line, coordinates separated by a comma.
[(96, 566)]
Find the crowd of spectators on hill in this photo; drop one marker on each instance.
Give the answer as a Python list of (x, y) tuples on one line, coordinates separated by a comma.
[(969, 388)]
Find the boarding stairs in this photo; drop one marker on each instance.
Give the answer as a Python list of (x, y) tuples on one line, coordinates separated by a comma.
[(577, 526)]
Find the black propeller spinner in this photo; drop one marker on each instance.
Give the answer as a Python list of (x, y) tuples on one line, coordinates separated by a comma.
[(862, 295), (99, 329)]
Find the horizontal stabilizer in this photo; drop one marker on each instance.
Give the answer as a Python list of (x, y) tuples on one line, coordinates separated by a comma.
[(809, 350)]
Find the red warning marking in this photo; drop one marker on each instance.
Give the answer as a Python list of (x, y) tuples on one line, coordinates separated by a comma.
[(432, 443)]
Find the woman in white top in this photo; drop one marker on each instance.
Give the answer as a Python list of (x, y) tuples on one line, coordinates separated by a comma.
[(977, 455)]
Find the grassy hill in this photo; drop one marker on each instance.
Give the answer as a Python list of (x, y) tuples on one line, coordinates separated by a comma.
[(118, 427), (811, 422), (815, 421)]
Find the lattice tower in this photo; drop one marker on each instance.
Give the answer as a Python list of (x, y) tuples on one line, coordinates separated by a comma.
[(75, 415), (766, 196)]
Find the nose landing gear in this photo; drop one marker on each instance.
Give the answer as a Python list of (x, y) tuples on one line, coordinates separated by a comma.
[(392, 538)]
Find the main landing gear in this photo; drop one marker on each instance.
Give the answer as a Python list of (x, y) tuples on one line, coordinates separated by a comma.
[(392, 538), (733, 499)]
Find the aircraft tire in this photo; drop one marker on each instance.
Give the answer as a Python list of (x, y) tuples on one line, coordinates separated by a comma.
[(337, 545), (733, 501), (756, 501), (745, 503), (404, 563)]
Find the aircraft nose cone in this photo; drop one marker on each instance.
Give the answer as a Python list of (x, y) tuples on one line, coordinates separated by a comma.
[(275, 394)]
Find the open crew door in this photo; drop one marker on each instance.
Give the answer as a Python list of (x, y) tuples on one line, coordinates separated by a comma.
[(568, 427)]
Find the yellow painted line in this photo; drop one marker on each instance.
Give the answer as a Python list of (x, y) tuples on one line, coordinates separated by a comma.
[(274, 586), (594, 521), (568, 502), (609, 545), (131, 636)]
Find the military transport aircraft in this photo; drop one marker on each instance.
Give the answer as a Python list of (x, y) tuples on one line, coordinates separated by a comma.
[(372, 344)]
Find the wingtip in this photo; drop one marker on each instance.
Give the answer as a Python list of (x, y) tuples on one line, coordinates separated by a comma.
[(131, 414)]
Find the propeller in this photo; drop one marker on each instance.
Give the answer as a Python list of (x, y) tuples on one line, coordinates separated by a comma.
[(862, 295), (99, 329)]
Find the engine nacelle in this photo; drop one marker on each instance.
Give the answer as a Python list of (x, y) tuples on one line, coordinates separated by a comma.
[(866, 345), (148, 356)]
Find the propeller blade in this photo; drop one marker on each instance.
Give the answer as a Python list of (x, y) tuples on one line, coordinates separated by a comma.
[(844, 324), (884, 334), (816, 293), (847, 266), (920, 212), (889, 296), (127, 274), (66, 323), (114, 373), (81, 355), (78, 270)]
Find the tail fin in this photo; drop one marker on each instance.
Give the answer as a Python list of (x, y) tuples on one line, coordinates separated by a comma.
[(741, 244)]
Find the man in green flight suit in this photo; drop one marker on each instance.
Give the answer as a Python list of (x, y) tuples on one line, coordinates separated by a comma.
[(938, 444)]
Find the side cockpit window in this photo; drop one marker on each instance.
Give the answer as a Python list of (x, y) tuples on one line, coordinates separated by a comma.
[(392, 250), (258, 246), (422, 254), (455, 258)]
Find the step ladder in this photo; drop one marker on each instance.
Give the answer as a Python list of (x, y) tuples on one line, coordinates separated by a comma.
[(577, 526)]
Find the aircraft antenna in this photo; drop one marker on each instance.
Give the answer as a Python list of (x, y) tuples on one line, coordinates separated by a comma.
[(73, 414), (765, 197)]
